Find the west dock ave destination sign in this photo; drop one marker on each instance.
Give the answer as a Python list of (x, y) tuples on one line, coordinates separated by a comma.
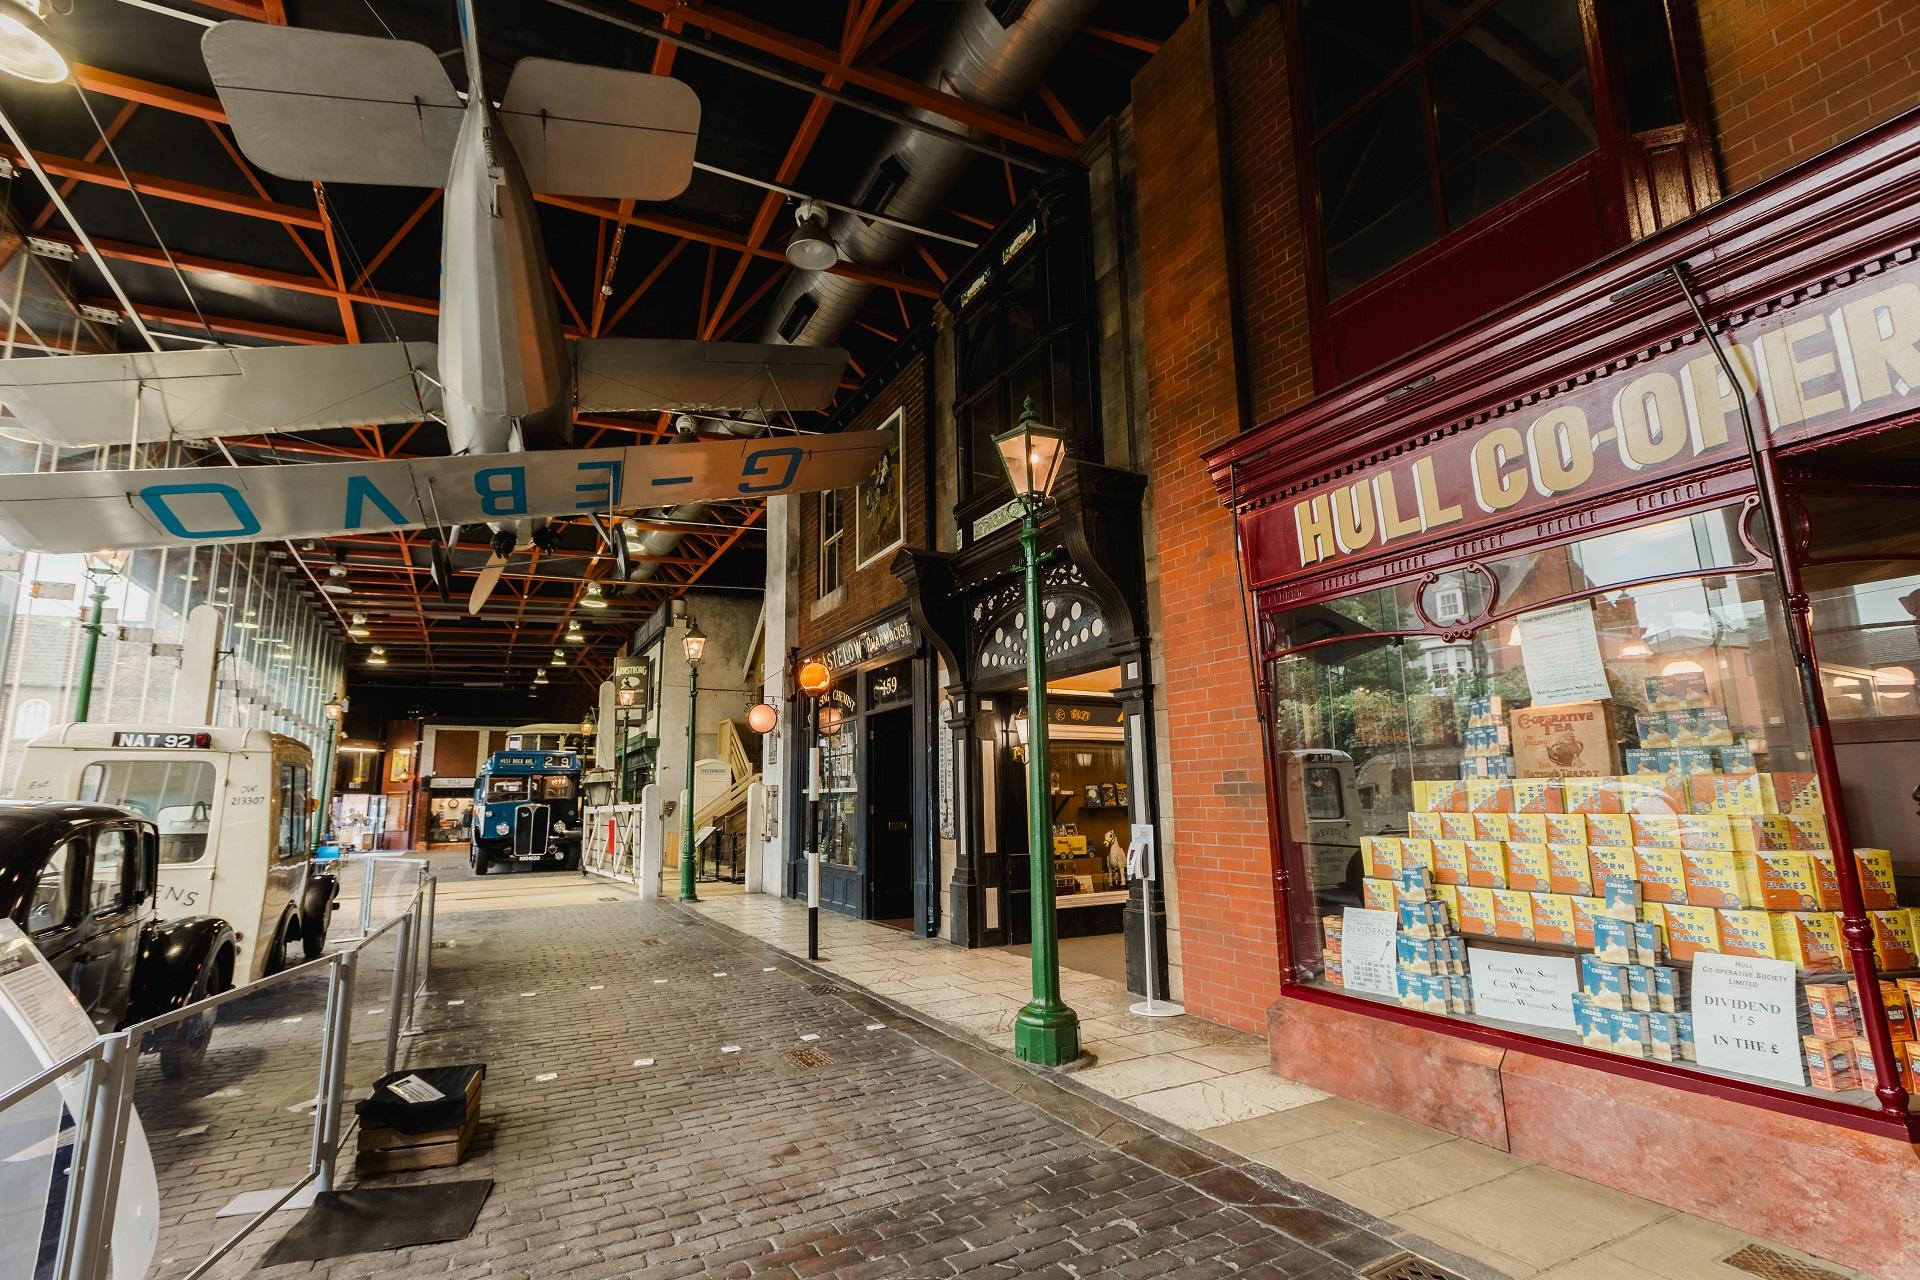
[(1848, 357)]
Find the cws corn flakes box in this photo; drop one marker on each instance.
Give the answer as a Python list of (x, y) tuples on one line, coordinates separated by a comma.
[(1528, 867), (1611, 862), (1748, 933), (1609, 828), (1706, 831), (1382, 855), (1566, 828), (1662, 874), (1446, 795), (1802, 833), (1538, 795), (1893, 943), (1691, 930), (1666, 793), (1449, 895), (1655, 830), (1476, 911), (1721, 878), (1486, 864), (1489, 795), (1450, 861), (1744, 794), (1415, 853), (1810, 939), (1826, 882), (1553, 919), (1795, 793), (1457, 826), (1512, 914), (1586, 910), (1528, 828), (1377, 895), (1569, 870), (1491, 826), (1423, 826), (1590, 795), (1876, 876)]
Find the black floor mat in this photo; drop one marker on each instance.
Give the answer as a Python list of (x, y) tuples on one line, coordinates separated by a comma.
[(373, 1219)]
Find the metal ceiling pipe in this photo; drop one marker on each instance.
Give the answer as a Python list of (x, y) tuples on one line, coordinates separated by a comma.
[(981, 61)]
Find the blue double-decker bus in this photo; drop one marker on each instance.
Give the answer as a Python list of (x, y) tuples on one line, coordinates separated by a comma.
[(526, 808)]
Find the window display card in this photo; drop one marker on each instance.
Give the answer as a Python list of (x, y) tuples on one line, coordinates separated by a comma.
[(1560, 650), (1745, 1017), (1515, 987), (1366, 945)]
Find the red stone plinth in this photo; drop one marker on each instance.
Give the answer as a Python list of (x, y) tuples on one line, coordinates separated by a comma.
[(1437, 1080)]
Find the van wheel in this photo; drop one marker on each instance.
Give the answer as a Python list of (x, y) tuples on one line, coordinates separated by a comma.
[(186, 1047), (277, 949), (314, 921)]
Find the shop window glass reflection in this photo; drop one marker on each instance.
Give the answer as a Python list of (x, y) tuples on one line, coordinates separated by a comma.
[(839, 786), (1618, 737)]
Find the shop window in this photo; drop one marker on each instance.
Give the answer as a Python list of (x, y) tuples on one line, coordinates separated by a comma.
[(1427, 115), (1566, 813), (833, 529)]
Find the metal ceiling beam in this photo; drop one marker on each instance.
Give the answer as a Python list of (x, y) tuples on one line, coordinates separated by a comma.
[(195, 263), (169, 189), (149, 93), (174, 317), (819, 58)]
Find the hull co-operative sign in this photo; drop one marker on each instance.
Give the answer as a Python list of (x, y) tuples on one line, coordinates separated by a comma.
[(183, 507), (1659, 418)]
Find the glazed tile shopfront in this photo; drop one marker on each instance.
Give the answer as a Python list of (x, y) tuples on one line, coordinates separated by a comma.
[(1593, 723)]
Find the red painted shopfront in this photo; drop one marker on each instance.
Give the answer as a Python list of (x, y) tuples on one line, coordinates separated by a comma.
[(1564, 839)]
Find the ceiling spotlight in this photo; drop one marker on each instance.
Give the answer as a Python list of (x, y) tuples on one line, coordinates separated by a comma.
[(574, 637), (245, 625), (359, 619), (540, 678), (810, 248), (573, 624), (25, 51), (595, 598)]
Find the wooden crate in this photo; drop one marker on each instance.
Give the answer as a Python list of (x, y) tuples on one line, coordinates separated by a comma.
[(385, 1150)]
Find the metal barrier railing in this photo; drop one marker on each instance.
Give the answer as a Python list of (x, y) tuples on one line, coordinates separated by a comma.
[(105, 1097), (379, 878)]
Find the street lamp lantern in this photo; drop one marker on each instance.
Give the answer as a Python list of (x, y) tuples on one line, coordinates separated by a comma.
[(696, 643), (335, 709), (1032, 453), (814, 678), (1045, 1031), (587, 727)]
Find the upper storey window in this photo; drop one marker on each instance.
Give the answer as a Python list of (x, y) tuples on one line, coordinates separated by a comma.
[(1429, 113)]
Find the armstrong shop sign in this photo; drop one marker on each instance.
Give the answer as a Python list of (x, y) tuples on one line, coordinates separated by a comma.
[(1815, 370)]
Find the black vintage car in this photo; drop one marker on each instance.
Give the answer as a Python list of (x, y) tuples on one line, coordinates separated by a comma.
[(74, 877)]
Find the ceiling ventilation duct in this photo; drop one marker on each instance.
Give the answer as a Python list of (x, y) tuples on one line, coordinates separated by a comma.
[(982, 61)]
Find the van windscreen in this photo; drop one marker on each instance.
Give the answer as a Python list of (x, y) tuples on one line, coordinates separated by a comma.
[(176, 795)]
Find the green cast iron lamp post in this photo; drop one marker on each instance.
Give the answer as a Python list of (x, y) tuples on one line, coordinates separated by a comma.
[(1046, 1031), (101, 565), (696, 643)]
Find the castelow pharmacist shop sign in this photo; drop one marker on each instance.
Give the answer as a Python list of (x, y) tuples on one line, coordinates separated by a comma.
[(1815, 370)]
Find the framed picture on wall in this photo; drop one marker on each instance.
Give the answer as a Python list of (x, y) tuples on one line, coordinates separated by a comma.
[(879, 514), (400, 764), (1093, 794)]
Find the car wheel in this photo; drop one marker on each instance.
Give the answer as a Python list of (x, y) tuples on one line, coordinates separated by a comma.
[(313, 927), (186, 1048)]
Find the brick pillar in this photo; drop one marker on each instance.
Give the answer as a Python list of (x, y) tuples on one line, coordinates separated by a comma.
[(1218, 833)]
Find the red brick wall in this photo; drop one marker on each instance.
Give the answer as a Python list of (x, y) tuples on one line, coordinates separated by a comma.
[(873, 589), (1269, 244), (1218, 838), (1790, 78)]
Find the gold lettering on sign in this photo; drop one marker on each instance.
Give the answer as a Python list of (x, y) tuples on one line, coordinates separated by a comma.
[(1426, 489), (1711, 401), (1497, 484), (1353, 518), (1883, 335), (1791, 365), (1392, 524), (1316, 532), (1652, 419), (1559, 450)]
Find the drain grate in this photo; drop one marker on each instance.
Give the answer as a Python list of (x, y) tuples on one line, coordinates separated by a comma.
[(808, 1057), (821, 988), (1757, 1259), (1407, 1266)]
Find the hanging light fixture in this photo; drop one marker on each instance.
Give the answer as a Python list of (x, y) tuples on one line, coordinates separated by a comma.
[(761, 717), (25, 51), (810, 248), (357, 626), (376, 657), (595, 598)]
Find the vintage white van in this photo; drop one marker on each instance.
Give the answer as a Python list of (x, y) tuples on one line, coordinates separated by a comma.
[(234, 808)]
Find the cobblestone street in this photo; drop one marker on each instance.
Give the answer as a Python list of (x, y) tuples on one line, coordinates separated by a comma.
[(665, 1097)]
